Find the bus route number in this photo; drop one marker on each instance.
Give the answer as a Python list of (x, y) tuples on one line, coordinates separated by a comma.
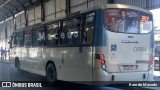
[(144, 18)]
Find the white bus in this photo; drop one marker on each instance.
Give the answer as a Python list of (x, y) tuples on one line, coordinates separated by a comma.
[(110, 43)]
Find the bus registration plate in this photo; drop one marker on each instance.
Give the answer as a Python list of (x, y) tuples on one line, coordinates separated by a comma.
[(128, 67)]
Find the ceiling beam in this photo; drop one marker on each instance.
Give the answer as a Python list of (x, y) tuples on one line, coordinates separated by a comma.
[(22, 5), (111, 1), (30, 2), (13, 6), (4, 13), (8, 10), (68, 11)]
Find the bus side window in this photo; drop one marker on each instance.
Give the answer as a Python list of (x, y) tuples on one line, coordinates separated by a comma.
[(13, 42), (52, 35), (89, 29), (35, 41), (63, 34), (38, 37), (20, 39), (28, 38), (75, 26), (70, 30)]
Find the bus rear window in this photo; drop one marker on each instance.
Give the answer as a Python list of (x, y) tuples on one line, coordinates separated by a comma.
[(128, 21)]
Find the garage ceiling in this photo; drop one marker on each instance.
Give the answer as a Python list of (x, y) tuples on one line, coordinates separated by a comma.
[(9, 8)]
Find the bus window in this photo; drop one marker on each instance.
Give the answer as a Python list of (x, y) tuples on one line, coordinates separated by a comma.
[(28, 38), (19, 39), (145, 23), (128, 21), (69, 33), (38, 36), (52, 34), (64, 41), (13, 42), (89, 28)]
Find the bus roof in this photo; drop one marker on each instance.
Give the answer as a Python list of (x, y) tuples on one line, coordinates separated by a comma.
[(127, 7)]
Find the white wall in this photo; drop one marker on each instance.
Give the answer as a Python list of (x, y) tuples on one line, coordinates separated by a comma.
[(77, 5), (54, 9), (60, 8), (49, 10), (9, 26), (38, 14), (20, 20), (2, 29), (34, 15)]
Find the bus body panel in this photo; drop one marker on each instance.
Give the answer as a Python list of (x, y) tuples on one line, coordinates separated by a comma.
[(101, 75), (123, 51), (67, 63)]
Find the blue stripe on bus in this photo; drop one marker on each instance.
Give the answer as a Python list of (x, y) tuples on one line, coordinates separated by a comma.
[(152, 39), (100, 31)]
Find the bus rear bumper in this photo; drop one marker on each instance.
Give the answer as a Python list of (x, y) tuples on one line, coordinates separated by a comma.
[(100, 75)]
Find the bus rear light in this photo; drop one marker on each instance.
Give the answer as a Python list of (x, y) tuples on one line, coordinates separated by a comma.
[(152, 60), (102, 62)]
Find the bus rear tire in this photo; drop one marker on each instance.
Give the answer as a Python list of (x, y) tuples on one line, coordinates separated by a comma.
[(51, 74)]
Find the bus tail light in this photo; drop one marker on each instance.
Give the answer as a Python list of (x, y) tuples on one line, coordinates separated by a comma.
[(151, 63), (152, 60), (102, 61)]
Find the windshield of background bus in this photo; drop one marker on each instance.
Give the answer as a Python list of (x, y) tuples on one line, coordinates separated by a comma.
[(128, 21)]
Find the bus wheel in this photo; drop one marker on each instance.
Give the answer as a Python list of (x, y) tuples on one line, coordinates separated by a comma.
[(18, 65), (51, 73)]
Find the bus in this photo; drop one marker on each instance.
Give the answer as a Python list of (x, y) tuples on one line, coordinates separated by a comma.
[(114, 42)]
